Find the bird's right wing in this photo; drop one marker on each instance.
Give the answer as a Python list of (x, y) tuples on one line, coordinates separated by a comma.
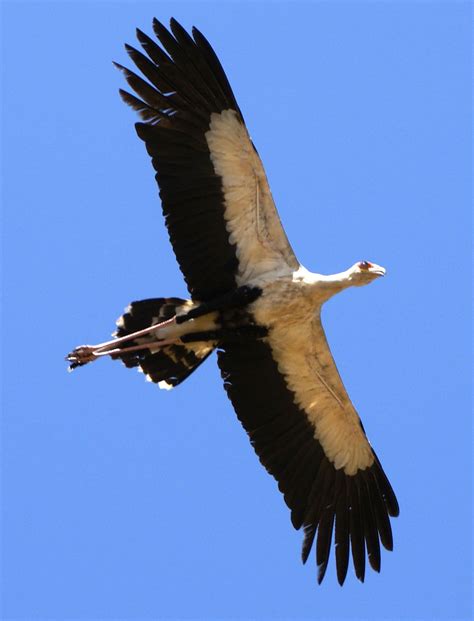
[(219, 210), (290, 399)]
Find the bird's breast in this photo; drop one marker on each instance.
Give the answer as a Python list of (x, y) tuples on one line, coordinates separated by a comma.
[(284, 302)]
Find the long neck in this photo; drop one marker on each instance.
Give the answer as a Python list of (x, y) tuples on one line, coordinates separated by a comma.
[(327, 286)]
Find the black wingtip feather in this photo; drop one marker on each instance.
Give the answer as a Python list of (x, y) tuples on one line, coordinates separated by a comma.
[(145, 112), (323, 544), (178, 31), (370, 528), (166, 39), (159, 28), (214, 64), (356, 532), (157, 25), (390, 499), (380, 511), (309, 534), (341, 536), (154, 51)]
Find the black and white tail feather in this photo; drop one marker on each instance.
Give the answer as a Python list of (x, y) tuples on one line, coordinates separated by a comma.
[(166, 366)]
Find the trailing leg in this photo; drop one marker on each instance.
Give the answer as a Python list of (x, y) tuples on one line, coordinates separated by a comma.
[(169, 337), (148, 337)]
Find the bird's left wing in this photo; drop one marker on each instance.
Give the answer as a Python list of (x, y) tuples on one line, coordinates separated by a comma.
[(216, 200), (288, 395)]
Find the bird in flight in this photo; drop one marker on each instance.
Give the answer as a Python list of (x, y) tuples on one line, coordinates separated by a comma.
[(251, 301)]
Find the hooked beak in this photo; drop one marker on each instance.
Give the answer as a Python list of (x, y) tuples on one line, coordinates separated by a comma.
[(378, 270)]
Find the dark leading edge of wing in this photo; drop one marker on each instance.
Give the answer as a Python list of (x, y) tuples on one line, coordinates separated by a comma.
[(185, 86), (321, 498)]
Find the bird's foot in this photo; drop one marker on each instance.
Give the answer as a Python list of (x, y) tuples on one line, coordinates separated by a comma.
[(88, 353), (81, 355)]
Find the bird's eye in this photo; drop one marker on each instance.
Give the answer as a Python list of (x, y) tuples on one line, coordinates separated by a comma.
[(364, 265)]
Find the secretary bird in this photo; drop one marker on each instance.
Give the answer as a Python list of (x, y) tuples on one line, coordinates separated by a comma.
[(252, 301)]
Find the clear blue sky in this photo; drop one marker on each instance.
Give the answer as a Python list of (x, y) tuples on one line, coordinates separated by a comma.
[(123, 501)]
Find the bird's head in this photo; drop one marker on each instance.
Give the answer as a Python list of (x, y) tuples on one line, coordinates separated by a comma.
[(364, 272)]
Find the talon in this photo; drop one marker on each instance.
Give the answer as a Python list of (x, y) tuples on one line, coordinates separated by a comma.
[(81, 355)]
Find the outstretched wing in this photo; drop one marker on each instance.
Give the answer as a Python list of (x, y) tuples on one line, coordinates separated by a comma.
[(216, 200), (290, 399)]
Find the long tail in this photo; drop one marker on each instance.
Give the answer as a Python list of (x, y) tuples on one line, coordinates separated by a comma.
[(167, 366)]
